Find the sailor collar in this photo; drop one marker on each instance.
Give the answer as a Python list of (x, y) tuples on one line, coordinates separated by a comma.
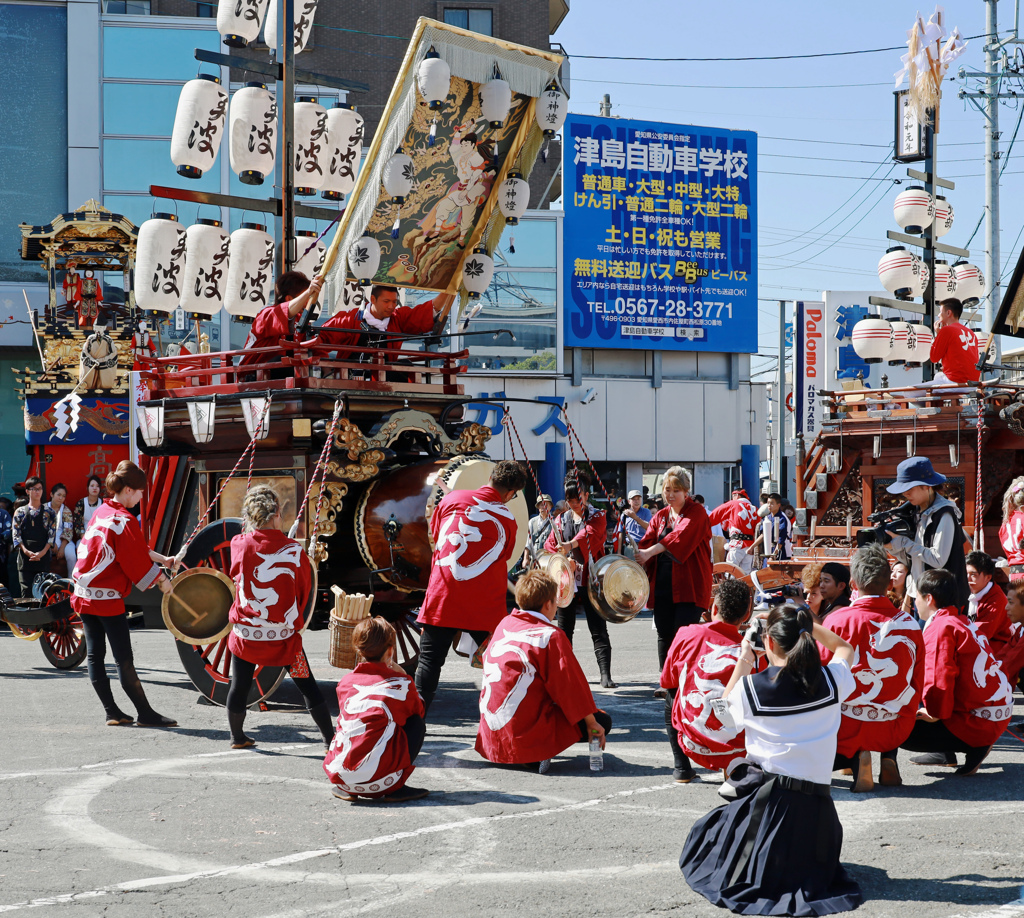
[(773, 694)]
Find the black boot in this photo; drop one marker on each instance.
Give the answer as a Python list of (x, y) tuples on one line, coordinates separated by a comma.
[(604, 665), (115, 716), (132, 686), (322, 718), (682, 770), (239, 740)]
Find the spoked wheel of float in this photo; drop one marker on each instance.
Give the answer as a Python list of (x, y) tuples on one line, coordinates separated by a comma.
[(209, 665), (723, 570), (407, 645), (62, 642)]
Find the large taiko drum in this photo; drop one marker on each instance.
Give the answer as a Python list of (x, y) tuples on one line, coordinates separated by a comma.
[(392, 522)]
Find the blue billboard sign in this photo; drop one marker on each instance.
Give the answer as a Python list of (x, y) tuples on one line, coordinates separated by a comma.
[(660, 236)]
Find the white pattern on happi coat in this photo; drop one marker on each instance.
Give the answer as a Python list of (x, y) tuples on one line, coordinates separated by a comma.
[(283, 562), (717, 660), (483, 512), (115, 523), (512, 642), (365, 698)]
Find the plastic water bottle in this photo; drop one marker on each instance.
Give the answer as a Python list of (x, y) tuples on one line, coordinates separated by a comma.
[(596, 754)]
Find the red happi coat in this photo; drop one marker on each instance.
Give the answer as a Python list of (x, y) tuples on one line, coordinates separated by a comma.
[(474, 536), (534, 692), (1011, 654), (738, 515), (370, 752), (1011, 533), (273, 578), (699, 664), (964, 685), (888, 669), (112, 555), (991, 617), (688, 542), (343, 327)]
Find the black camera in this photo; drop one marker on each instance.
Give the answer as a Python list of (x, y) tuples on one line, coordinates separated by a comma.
[(755, 633), (899, 520)]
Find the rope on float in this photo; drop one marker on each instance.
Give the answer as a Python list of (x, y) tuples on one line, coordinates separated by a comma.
[(321, 470), (979, 531)]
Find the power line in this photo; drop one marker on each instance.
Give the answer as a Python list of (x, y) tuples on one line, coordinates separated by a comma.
[(705, 86)]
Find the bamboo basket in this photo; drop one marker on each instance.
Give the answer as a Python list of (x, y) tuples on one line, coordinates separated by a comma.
[(348, 611)]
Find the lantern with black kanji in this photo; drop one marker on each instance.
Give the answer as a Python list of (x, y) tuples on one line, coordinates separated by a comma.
[(305, 10), (198, 125), (159, 263), (250, 284), (252, 133), (514, 197), (239, 21), (207, 249), (344, 144), (312, 150)]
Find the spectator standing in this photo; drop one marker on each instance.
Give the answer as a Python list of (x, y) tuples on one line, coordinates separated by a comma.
[(87, 506), (63, 545), (540, 525), (634, 520), (32, 533)]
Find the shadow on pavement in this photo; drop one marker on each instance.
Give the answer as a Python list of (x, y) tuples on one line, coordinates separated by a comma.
[(965, 889)]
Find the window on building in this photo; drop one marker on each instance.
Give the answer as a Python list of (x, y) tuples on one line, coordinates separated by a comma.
[(128, 7), (481, 21), (206, 10)]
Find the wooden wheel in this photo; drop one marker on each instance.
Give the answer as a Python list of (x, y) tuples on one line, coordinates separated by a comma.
[(407, 648), (209, 665), (725, 571), (62, 642)]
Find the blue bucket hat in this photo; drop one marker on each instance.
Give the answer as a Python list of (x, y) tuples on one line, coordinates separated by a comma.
[(917, 470)]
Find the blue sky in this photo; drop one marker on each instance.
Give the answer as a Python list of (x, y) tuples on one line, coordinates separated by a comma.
[(825, 125)]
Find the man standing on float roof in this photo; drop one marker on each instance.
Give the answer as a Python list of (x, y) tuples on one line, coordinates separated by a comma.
[(380, 317)]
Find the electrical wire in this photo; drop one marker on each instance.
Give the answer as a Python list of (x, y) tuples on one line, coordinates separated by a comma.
[(705, 86), (1006, 162)]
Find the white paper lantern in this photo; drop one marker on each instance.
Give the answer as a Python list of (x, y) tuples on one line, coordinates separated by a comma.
[(919, 344), (312, 150), (198, 125), (305, 10), (250, 284), (902, 273), (514, 197), (150, 417), (899, 344), (945, 280), (551, 109), (207, 249), (913, 209), (252, 133), (434, 78), (364, 259), (871, 340), (970, 283), (495, 100), (344, 142), (159, 263), (239, 21), (309, 260), (943, 221), (477, 271), (202, 417), (398, 176)]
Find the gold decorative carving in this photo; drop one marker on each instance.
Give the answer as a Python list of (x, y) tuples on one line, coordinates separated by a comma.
[(334, 497), (473, 438)]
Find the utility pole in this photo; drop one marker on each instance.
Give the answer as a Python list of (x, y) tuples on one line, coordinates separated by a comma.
[(606, 106), (992, 265), (780, 467)]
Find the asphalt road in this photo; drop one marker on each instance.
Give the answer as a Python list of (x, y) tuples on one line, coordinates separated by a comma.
[(133, 822)]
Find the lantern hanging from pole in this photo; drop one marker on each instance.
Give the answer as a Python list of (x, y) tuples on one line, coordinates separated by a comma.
[(970, 283), (239, 21), (207, 248), (198, 125), (202, 415), (495, 100), (902, 273), (399, 172), (945, 281), (310, 252), (311, 146), (344, 144), (151, 423), (943, 221), (250, 270), (919, 343), (252, 133), (305, 10), (899, 344), (364, 259), (871, 339), (913, 210), (550, 112), (434, 78), (514, 197), (477, 271), (159, 263)]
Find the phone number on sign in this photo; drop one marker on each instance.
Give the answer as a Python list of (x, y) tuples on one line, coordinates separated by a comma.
[(699, 309)]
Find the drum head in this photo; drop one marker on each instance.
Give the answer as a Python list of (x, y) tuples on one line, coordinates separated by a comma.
[(558, 567), (196, 610), (620, 590)]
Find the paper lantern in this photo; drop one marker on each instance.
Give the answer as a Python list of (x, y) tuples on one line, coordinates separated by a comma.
[(399, 172), (551, 109), (434, 78), (970, 283), (311, 146), (202, 416), (159, 263), (207, 248), (256, 412), (344, 143), (943, 221), (150, 417), (252, 133), (364, 259), (239, 21), (899, 345), (495, 100), (309, 260), (945, 281), (250, 284), (305, 10), (514, 197), (913, 209), (902, 273), (198, 125), (871, 340), (477, 271), (919, 344)]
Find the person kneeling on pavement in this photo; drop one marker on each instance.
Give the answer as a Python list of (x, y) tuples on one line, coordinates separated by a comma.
[(535, 702), (380, 723), (967, 701)]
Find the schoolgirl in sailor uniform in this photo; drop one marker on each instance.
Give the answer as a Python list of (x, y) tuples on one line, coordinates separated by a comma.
[(775, 849)]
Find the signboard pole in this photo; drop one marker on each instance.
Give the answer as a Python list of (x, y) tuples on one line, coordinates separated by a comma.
[(780, 470)]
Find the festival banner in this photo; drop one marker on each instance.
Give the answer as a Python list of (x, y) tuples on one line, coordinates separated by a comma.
[(100, 420), (809, 368), (660, 236)]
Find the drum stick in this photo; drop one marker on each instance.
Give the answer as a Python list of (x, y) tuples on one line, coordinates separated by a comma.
[(196, 616)]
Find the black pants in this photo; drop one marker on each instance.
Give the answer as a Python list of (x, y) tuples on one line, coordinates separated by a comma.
[(415, 730), (566, 619), (242, 672), (27, 571), (435, 642), (99, 629), (935, 737)]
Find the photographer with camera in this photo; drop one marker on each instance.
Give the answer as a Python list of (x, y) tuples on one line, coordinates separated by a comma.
[(938, 537)]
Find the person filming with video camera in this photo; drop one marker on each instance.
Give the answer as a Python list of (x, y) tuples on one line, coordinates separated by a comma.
[(938, 537)]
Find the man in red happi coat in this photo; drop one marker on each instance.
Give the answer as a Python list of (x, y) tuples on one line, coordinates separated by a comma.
[(535, 701), (738, 519), (382, 316), (474, 534), (987, 602), (888, 666)]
